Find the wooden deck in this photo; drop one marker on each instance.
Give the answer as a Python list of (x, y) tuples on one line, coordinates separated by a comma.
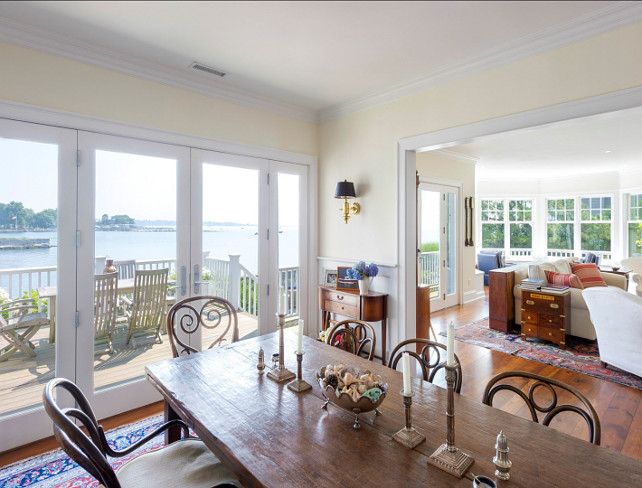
[(22, 378)]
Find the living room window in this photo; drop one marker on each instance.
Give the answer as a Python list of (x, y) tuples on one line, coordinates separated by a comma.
[(635, 225), (577, 225), (507, 224)]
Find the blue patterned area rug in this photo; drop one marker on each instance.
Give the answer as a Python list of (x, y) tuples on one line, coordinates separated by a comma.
[(580, 355), (55, 470)]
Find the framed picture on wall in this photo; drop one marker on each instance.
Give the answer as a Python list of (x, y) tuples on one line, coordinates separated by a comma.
[(330, 278), (343, 282)]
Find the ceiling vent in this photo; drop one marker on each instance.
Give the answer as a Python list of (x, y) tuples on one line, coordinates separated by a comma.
[(207, 69)]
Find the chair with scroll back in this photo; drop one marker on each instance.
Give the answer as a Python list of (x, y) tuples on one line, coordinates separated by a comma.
[(429, 358), (555, 390), (212, 315), (353, 336), (187, 463)]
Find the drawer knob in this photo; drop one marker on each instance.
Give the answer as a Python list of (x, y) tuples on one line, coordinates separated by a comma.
[(550, 321), (550, 333), (530, 317), (530, 302), (554, 305)]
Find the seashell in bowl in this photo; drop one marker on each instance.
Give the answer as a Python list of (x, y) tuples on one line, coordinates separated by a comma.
[(352, 390)]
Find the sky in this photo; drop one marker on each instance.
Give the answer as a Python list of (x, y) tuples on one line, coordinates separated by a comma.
[(142, 187)]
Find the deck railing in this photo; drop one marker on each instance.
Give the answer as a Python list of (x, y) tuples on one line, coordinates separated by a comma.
[(429, 268), (225, 278)]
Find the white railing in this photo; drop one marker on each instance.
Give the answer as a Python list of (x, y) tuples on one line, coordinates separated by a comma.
[(17, 281), (289, 285), (429, 269)]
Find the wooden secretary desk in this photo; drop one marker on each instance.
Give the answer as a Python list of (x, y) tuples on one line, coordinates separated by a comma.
[(350, 304)]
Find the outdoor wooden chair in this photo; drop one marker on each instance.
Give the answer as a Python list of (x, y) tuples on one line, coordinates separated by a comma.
[(353, 336), (187, 463), (126, 268), (148, 304), (429, 358), (18, 324), (105, 309), (514, 381), (214, 315)]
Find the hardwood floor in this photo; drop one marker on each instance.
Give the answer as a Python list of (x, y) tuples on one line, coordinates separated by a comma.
[(619, 407)]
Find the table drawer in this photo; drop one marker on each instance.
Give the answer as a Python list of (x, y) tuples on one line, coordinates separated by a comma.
[(530, 316), (542, 302), (553, 335), (529, 330), (341, 308), (554, 321), (345, 298)]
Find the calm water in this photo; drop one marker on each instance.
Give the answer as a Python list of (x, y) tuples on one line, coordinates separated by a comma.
[(220, 241)]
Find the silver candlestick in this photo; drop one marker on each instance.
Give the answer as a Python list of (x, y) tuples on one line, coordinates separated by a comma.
[(408, 436), (299, 384), (447, 456), (281, 373)]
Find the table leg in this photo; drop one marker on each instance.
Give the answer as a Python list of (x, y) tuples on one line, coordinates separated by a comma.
[(172, 434)]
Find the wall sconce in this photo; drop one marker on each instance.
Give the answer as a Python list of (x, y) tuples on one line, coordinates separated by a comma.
[(345, 190)]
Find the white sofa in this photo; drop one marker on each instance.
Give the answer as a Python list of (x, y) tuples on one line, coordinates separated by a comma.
[(617, 316), (580, 325)]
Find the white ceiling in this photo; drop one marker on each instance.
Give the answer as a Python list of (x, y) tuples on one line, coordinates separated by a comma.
[(319, 60)]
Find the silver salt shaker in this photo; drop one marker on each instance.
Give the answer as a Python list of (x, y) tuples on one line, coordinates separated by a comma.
[(261, 364), (501, 461)]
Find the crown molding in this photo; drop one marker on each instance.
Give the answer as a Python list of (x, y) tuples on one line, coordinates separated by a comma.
[(619, 14), (46, 41), (456, 156)]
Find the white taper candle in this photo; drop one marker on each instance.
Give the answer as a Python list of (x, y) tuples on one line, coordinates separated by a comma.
[(450, 361), (299, 349), (407, 389)]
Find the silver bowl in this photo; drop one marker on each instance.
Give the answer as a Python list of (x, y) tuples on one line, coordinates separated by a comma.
[(345, 401)]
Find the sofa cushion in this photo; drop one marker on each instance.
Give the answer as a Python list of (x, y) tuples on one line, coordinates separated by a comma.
[(589, 274), (559, 266), (567, 279)]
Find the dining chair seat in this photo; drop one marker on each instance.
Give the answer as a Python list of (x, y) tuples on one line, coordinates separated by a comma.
[(187, 463)]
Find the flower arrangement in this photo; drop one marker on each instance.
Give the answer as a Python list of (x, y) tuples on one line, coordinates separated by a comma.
[(361, 271)]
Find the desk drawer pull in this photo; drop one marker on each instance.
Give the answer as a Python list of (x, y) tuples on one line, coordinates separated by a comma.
[(554, 305), (339, 297), (530, 302)]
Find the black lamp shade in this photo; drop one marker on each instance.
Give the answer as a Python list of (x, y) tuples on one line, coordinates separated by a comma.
[(345, 189)]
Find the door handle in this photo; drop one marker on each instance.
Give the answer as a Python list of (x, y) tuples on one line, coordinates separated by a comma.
[(197, 278), (183, 280)]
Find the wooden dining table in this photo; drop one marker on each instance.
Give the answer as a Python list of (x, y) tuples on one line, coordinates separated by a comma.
[(270, 436)]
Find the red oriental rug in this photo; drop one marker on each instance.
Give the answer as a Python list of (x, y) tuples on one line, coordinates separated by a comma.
[(580, 355)]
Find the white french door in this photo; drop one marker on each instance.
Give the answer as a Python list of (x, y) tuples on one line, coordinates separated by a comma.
[(438, 236)]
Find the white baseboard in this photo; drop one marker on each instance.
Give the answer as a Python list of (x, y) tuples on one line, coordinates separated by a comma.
[(471, 296)]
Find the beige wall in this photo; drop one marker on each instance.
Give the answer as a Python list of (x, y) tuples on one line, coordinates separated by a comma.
[(55, 82), (362, 147), (439, 168)]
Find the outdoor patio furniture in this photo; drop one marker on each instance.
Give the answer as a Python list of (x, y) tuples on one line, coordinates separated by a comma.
[(125, 268), (18, 324), (191, 315), (105, 309), (148, 304)]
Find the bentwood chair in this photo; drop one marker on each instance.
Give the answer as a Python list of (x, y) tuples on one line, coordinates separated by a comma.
[(214, 316), (548, 401), (105, 309), (431, 358), (148, 304), (353, 336), (187, 463), (19, 322)]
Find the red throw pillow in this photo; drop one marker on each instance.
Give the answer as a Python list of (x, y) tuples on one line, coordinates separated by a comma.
[(563, 279), (589, 274)]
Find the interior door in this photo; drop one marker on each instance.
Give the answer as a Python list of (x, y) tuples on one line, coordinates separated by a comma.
[(438, 236), (131, 213), (37, 233)]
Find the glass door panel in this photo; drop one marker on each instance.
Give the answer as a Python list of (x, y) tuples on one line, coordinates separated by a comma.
[(430, 242), (30, 256)]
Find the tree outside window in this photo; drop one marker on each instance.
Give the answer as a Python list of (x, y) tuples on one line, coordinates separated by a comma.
[(492, 217), (507, 224), (595, 224), (520, 215), (560, 229)]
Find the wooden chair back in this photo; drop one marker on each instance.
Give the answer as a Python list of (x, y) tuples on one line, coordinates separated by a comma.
[(514, 381), (354, 336), (431, 358), (214, 315), (148, 303), (126, 268), (105, 308)]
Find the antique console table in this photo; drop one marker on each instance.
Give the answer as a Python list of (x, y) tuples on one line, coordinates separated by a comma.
[(369, 308)]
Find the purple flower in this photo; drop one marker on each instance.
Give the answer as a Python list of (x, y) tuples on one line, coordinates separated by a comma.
[(373, 270), (362, 270)]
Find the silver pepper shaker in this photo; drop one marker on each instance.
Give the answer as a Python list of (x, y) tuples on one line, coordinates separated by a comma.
[(261, 364), (502, 463)]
